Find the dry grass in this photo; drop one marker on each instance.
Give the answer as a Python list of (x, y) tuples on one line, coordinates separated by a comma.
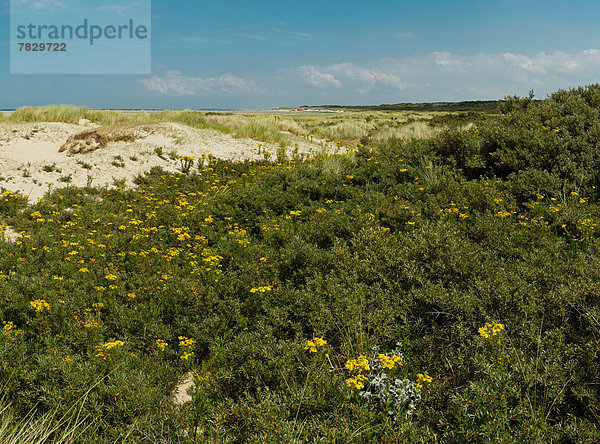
[(32, 429), (93, 139), (263, 128), (413, 130), (372, 127), (369, 127)]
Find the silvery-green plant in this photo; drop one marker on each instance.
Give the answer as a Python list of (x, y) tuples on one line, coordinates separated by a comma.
[(397, 396)]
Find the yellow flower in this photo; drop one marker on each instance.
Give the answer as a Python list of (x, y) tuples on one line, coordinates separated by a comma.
[(111, 345), (8, 326), (357, 382), (490, 329), (186, 342), (261, 289), (389, 362), (161, 344), (91, 324), (423, 378), (359, 365), (319, 342), (111, 277), (314, 344), (40, 305), (186, 356)]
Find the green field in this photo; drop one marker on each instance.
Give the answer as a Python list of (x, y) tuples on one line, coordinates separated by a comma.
[(437, 282)]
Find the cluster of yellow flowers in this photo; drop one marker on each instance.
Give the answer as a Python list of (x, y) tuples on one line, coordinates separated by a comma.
[(357, 381), (293, 213), (10, 330), (261, 289), (40, 305), (586, 227), (104, 349), (186, 343), (490, 330), (389, 362), (357, 366), (161, 345), (9, 193), (548, 128), (111, 345), (187, 162), (453, 210), (8, 326), (423, 378), (314, 344)]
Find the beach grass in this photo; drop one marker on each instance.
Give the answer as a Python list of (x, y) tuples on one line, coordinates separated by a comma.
[(351, 127), (259, 127)]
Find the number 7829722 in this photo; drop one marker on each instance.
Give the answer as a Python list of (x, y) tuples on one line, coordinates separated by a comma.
[(42, 47)]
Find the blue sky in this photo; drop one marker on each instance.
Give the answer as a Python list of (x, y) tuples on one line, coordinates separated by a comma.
[(240, 54)]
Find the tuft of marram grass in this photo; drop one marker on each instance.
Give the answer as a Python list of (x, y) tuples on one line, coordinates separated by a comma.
[(33, 429)]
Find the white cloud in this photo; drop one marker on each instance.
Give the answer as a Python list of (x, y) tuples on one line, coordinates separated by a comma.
[(443, 75), (313, 76), (446, 59), (367, 78), (173, 83), (250, 36), (433, 76), (42, 5), (349, 75), (518, 64), (302, 35), (118, 9)]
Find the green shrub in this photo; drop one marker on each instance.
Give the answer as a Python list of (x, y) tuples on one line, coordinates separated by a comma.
[(231, 270)]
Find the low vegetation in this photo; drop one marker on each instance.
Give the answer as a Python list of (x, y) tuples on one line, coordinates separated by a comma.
[(440, 289), (259, 127)]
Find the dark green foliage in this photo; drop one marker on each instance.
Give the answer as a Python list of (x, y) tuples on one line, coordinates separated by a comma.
[(486, 106), (419, 244)]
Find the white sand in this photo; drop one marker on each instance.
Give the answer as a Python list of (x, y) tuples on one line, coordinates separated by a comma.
[(25, 149), (183, 389)]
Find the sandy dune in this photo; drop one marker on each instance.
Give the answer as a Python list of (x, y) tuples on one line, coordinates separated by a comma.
[(30, 161)]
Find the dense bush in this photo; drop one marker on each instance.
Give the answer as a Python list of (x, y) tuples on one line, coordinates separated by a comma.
[(472, 259), (558, 135)]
